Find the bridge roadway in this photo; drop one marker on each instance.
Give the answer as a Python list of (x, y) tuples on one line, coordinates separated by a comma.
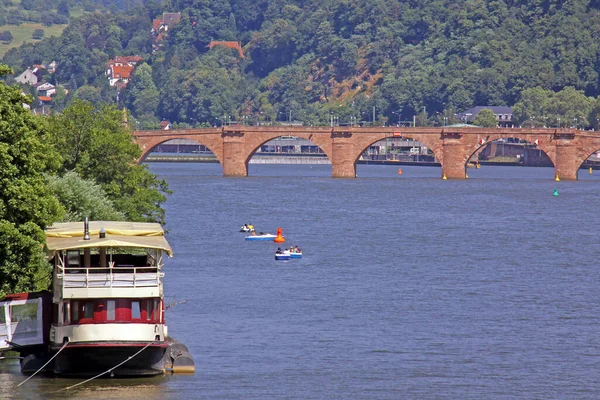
[(234, 145)]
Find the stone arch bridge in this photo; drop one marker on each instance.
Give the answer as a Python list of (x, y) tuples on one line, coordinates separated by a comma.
[(452, 146)]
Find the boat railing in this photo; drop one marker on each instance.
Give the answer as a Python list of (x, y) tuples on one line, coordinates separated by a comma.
[(111, 276)]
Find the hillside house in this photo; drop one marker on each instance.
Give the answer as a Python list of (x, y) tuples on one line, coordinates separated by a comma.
[(120, 68), (165, 125), (502, 113), (168, 19), (119, 73), (28, 77), (45, 89), (51, 67), (161, 26)]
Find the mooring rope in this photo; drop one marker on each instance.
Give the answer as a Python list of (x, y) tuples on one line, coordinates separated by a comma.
[(44, 366), (107, 371)]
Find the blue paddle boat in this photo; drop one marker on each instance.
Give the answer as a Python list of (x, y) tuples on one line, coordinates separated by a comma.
[(296, 254), (261, 236), (283, 255)]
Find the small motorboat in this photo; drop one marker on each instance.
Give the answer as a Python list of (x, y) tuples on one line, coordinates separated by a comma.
[(245, 228), (283, 255), (262, 236)]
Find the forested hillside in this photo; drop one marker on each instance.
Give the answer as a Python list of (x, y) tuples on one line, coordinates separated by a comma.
[(310, 61)]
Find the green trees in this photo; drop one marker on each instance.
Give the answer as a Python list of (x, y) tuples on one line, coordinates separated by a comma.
[(406, 54), (27, 205), (82, 198), (211, 88), (142, 94), (97, 145), (486, 118), (6, 36), (38, 34), (568, 107)]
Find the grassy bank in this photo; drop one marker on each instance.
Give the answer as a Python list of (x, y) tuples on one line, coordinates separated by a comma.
[(22, 34)]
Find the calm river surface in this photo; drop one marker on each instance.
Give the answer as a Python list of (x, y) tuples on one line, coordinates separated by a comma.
[(411, 287)]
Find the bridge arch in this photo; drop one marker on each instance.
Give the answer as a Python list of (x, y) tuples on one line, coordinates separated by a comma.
[(466, 146), (496, 147), (349, 147), (148, 143), (240, 142), (254, 143)]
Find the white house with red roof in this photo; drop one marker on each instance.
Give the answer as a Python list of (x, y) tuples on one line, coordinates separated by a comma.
[(120, 68)]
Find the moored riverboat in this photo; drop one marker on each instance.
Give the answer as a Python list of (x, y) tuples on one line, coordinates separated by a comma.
[(106, 311)]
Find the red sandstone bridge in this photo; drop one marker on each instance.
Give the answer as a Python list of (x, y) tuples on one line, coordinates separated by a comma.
[(234, 145)]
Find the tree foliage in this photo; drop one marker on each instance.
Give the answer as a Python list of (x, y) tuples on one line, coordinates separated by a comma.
[(38, 34), (27, 205), (82, 198), (142, 95), (486, 119), (568, 107), (95, 143), (6, 36), (309, 57)]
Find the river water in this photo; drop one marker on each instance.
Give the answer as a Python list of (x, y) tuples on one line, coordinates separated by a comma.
[(411, 287)]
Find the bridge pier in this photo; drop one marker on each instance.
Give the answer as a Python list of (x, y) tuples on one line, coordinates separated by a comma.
[(567, 161), (343, 160), (454, 163), (234, 156)]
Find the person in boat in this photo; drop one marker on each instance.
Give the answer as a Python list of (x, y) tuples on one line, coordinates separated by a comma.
[(250, 226), (279, 251), (297, 250), (253, 232)]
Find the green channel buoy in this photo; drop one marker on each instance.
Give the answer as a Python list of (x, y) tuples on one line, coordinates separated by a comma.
[(555, 192)]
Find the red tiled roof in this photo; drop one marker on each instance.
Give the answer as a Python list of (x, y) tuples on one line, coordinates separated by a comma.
[(157, 23), (45, 98), (122, 72), (232, 45)]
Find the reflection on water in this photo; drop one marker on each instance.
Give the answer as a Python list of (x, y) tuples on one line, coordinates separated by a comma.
[(47, 387)]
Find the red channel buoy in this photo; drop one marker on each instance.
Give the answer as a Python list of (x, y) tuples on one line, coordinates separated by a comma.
[(279, 238)]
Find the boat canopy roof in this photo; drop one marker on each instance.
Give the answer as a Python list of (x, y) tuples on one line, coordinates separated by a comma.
[(69, 235)]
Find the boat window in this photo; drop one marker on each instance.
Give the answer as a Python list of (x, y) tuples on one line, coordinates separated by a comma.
[(66, 312), (3, 314), (135, 310), (149, 304), (88, 309), (75, 311), (73, 258), (110, 310)]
